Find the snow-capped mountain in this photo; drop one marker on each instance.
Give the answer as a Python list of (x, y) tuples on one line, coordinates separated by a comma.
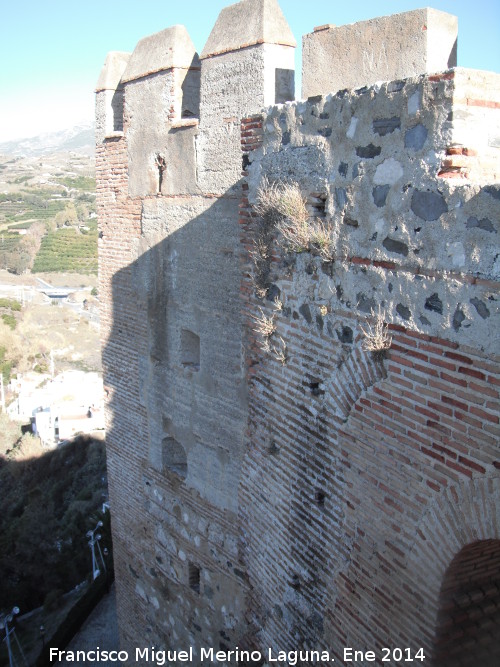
[(78, 139)]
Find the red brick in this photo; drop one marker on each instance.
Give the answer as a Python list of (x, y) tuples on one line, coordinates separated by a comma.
[(472, 372), (484, 415)]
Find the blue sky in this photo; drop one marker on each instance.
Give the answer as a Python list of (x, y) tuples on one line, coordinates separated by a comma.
[(52, 51)]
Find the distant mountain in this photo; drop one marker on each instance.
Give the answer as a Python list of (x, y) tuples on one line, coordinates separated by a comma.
[(77, 139)]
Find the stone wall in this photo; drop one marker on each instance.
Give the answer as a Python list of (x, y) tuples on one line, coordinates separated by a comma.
[(274, 483), (363, 470)]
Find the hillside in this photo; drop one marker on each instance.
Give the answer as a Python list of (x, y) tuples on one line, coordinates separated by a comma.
[(47, 203)]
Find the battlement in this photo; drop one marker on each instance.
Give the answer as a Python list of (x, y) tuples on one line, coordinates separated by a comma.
[(382, 49), (299, 320), (351, 56)]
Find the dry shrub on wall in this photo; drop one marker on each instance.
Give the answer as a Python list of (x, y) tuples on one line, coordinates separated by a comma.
[(377, 339), (284, 207), (265, 328)]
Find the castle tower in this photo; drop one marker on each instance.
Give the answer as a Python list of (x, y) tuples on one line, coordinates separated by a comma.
[(170, 270), (310, 472)]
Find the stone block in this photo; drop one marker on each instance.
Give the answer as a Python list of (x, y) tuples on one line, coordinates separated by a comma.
[(112, 71), (382, 49), (168, 49), (247, 23)]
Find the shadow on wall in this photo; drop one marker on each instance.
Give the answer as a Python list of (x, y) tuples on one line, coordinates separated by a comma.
[(177, 409), (469, 608), (175, 352)]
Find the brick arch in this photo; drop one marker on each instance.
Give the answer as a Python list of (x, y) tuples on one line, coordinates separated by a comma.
[(461, 515), (360, 370), (469, 608)]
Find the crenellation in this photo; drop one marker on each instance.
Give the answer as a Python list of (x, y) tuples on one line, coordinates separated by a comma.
[(109, 96), (303, 394), (382, 49)]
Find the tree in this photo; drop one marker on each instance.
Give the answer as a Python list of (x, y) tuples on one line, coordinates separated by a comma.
[(67, 217)]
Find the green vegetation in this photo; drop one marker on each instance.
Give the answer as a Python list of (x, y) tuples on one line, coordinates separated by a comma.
[(9, 320), (23, 179), (11, 304), (41, 193), (48, 503), (67, 249), (78, 183), (5, 364), (30, 205)]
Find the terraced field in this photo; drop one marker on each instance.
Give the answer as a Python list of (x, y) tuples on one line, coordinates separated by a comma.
[(57, 191), (68, 249)]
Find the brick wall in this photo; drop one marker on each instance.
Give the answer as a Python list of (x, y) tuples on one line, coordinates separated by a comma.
[(119, 228), (365, 474)]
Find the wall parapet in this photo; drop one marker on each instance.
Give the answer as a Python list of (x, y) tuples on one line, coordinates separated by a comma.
[(382, 49)]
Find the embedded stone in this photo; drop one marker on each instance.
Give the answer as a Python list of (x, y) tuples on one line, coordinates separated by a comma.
[(341, 197), (379, 194), (415, 137), (414, 103), (397, 247), (343, 167), (305, 311), (395, 86), (480, 307), (428, 205), (434, 303), (273, 293), (351, 222), (383, 126), (403, 312), (365, 304), (458, 318), (358, 170), (484, 223), (493, 191), (352, 127), (389, 171), (369, 151), (345, 335), (314, 99)]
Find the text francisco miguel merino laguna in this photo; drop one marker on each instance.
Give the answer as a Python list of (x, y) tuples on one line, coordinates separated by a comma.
[(162, 657)]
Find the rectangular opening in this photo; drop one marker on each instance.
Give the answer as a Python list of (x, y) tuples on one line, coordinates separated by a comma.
[(190, 349), (284, 85), (194, 577), (174, 457), (319, 497)]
